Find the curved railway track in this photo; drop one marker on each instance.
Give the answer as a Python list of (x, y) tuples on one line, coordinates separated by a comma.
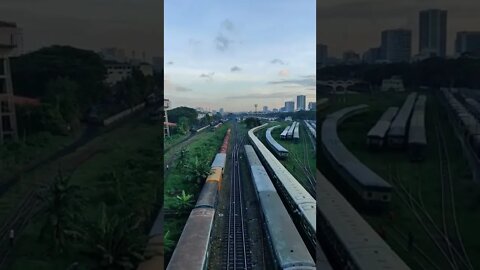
[(238, 254)]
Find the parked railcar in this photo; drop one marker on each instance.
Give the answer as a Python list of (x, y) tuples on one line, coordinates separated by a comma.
[(354, 244), (192, 248), (290, 131), (397, 135), (286, 244), (299, 201), (417, 138), (283, 135), (296, 133), (219, 161), (371, 189), (278, 149), (376, 136)]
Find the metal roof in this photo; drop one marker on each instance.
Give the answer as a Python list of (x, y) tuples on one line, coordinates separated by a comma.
[(366, 247), (343, 157), (271, 141), (399, 124), (416, 133), (383, 124), (219, 160)]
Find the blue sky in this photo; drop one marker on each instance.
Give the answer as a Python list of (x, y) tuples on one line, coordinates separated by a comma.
[(233, 54)]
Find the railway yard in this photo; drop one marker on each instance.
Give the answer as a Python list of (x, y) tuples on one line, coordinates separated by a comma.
[(431, 219)]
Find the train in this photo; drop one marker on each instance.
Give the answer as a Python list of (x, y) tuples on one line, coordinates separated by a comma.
[(298, 200), (296, 132), (194, 242), (352, 242), (371, 189), (285, 243), (376, 136), (312, 127), (276, 148), (417, 136), (397, 135), (283, 135)]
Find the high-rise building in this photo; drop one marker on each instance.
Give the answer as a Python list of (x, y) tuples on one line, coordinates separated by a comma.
[(372, 55), (113, 54), (265, 109), (396, 45), (11, 34), (301, 102), (468, 42), (322, 54), (289, 106), (351, 57), (312, 106), (433, 32), (275, 110), (221, 110)]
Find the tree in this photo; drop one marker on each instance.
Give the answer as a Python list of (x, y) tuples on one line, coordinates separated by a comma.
[(198, 170), (113, 241), (62, 93), (184, 201), (168, 243), (61, 202), (252, 122), (183, 125)]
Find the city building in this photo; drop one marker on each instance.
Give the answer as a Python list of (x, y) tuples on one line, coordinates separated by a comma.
[(468, 42), (395, 83), (146, 69), (117, 72), (312, 106), (113, 54), (289, 106), (11, 34), (396, 45), (301, 102), (433, 33), (157, 63), (275, 110), (265, 109), (372, 55), (322, 55), (351, 57), (221, 111)]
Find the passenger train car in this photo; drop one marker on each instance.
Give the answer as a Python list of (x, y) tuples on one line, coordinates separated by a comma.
[(417, 137), (371, 188), (299, 201), (397, 135), (276, 148), (283, 135), (296, 132), (290, 131), (195, 238), (285, 243), (311, 128), (376, 136), (353, 243)]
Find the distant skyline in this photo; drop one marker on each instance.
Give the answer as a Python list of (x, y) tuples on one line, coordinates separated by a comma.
[(357, 24), (88, 24), (234, 54)]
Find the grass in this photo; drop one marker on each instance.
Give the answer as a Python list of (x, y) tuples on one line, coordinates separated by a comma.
[(421, 177), (133, 149), (205, 146)]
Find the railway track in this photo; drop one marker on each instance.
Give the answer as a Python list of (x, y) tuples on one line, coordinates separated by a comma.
[(238, 254), (303, 164)]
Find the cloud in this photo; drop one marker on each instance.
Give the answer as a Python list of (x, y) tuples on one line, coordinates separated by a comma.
[(301, 82), (277, 61), (275, 95), (208, 76), (193, 42), (228, 25), (235, 69), (170, 63), (222, 43), (182, 89), (283, 73)]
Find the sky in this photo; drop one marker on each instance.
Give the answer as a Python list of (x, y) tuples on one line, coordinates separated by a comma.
[(234, 54), (88, 24), (357, 24)]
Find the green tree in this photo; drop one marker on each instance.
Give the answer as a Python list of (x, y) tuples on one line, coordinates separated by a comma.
[(62, 95), (198, 170), (61, 202), (168, 243), (113, 241), (184, 201)]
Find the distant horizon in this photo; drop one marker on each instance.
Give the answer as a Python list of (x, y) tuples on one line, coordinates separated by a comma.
[(232, 55)]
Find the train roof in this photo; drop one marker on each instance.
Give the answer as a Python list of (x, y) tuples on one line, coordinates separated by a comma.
[(417, 132), (285, 131), (399, 124), (383, 124), (367, 248), (219, 160), (273, 142), (343, 157)]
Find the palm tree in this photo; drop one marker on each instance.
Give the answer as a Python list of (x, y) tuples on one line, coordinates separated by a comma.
[(114, 241), (197, 171), (168, 243), (184, 201), (60, 201)]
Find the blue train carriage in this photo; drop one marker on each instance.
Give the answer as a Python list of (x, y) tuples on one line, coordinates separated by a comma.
[(192, 248), (298, 200), (417, 138), (278, 149), (371, 189), (397, 135), (354, 244), (376, 136), (285, 242)]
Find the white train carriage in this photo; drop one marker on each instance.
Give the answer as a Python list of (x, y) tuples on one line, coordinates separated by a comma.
[(397, 135), (278, 149), (290, 131), (286, 244), (219, 161), (377, 134), (417, 137), (283, 135), (296, 133)]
